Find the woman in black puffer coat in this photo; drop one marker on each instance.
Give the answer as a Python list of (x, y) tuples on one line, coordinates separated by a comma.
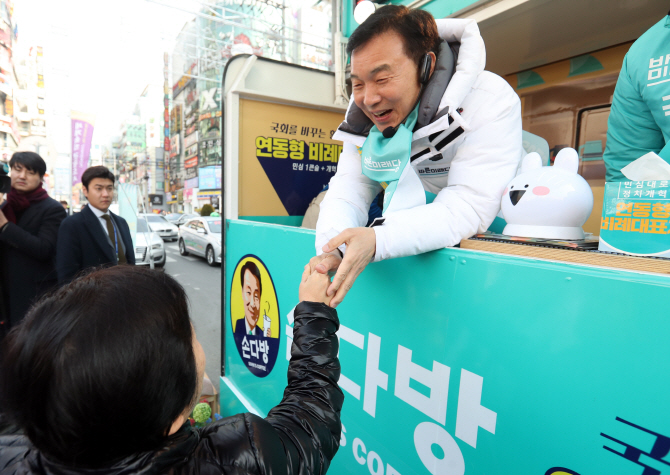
[(102, 375)]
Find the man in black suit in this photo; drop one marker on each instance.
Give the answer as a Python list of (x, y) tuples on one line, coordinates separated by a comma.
[(250, 276), (29, 222), (95, 236)]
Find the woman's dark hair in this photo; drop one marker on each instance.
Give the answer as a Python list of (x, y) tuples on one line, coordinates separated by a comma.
[(95, 172), (29, 160), (253, 268), (101, 368), (417, 28)]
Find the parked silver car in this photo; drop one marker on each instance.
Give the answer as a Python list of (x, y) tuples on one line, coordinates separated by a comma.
[(161, 226), (202, 236), (148, 245)]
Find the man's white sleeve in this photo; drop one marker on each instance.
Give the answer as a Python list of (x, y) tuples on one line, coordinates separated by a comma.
[(484, 164), (348, 199)]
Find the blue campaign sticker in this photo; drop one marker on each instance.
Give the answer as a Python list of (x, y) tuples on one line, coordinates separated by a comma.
[(254, 310)]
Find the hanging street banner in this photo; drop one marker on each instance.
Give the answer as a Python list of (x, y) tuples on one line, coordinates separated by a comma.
[(82, 134), (166, 118)]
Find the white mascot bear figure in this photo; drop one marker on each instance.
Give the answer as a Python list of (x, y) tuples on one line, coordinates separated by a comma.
[(548, 202)]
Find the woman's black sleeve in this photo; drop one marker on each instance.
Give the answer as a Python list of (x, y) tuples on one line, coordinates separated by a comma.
[(308, 418)]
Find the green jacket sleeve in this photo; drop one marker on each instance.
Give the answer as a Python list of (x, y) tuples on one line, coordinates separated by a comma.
[(631, 128)]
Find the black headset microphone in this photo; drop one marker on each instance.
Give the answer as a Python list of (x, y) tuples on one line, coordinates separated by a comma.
[(424, 76)]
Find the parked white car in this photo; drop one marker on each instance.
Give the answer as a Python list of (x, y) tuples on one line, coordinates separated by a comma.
[(148, 245), (202, 237), (161, 226)]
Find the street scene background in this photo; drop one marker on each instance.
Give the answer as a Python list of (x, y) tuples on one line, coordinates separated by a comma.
[(203, 287)]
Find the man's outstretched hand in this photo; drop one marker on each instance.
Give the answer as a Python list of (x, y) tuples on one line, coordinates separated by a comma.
[(313, 287), (361, 245)]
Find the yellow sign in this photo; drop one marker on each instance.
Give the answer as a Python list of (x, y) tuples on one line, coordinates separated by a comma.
[(254, 311), (287, 156)]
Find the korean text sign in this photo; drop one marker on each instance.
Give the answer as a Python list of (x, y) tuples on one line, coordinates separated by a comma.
[(287, 157), (636, 218), (437, 382)]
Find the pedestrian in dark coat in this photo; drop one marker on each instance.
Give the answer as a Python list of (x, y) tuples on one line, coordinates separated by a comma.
[(29, 222), (85, 239), (103, 374)]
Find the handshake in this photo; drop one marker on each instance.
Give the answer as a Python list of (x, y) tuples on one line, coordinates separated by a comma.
[(313, 286), (361, 247)]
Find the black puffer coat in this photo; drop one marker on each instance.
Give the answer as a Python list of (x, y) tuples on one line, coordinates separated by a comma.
[(299, 436)]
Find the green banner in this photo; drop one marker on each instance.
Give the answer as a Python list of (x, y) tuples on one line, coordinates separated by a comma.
[(459, 362)]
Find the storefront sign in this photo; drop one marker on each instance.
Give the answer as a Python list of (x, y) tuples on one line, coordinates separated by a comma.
[(210, 99), (192, 151), (207, 195), (156, 200), (210, 178), (191, 183), (176, 119), (189, 140), (191, 162), (191, 104), (174, 146), (183, 82), (191, 173), (210, 152)]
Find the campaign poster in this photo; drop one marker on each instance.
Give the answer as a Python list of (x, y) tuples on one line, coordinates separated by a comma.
[(254, 310), (287, 157)]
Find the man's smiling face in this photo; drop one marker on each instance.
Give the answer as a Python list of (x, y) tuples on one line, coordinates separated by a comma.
[(251, 295), (385, 80)]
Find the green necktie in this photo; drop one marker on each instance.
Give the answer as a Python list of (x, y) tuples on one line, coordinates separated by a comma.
[(112, 235)]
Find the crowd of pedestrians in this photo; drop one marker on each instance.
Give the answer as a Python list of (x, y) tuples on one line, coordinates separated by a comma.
[(42, 247)]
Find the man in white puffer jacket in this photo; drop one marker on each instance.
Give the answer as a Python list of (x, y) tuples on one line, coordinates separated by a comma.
[(465, 144)]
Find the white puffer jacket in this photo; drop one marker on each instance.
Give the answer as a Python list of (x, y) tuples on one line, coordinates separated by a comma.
[(466, 157)]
